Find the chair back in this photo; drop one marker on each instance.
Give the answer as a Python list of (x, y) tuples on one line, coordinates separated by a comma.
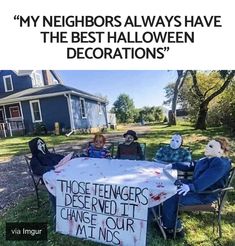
[(223, 195), (36, 178), (143, 148), (27, 160)]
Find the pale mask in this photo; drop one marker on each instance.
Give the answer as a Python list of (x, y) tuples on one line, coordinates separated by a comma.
[(213, 149), (176, 141), (41, 146), (129, 139)]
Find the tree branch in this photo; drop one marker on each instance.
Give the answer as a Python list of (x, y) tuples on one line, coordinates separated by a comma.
[(183, 79), (209, 90), (222, 88), (195, 85)]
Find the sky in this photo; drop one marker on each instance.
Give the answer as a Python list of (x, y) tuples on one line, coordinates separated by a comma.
[(145, 87)]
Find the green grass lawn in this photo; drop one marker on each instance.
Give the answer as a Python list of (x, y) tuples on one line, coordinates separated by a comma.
[(14, 146), (198, 226)]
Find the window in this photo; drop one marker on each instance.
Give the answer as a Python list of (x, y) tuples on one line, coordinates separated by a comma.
[(8, 83), (35, 111), (99, 108), (37, 79), (83, 109), (1, 115), (14, 112)]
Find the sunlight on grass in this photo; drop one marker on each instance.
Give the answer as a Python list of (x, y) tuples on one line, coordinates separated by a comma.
[(15, 146), (198, 226)]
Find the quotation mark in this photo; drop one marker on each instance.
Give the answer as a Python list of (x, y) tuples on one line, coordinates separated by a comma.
[(16, 17), (166, 48)]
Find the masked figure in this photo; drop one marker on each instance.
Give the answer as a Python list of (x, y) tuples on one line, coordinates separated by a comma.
[(97, 148), (130, 149), (209, 173), (174, 152), (41, 146), (42, 160)]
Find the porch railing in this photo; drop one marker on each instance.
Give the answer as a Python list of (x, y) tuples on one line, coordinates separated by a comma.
[(11, 128)]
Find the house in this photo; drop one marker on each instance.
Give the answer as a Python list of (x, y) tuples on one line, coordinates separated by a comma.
[(29, 98)]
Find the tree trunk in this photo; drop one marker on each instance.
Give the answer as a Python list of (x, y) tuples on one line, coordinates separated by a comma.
[(178, 83), (201, 119), (171, 118)]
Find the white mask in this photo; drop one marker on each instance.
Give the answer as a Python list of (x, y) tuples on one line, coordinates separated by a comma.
[(213, 149), (41, 146), (129, 139), (176, 141)]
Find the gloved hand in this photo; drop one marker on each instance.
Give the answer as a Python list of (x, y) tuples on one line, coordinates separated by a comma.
[(169, 166), (183, 189)]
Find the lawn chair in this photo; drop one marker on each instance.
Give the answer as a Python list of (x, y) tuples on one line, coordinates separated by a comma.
[(37, 180), (143, 147), (215, 207), (110, 147)]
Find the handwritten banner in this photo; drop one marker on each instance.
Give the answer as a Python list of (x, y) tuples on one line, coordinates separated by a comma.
[(106, 213)]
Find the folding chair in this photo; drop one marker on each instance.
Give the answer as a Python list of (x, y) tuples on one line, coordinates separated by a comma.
[(143, 148), (37, 180), (215, 207), (110, 148)]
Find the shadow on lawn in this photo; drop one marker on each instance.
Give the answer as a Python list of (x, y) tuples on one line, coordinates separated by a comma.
[(15, 146)]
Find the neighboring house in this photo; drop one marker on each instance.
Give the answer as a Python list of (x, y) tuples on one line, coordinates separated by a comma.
[(29, 97)]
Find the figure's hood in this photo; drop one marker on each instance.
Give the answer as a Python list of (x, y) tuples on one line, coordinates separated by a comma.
[(37, 145)]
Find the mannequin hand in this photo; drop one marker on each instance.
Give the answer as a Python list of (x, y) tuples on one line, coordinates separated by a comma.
[(169, 166), (183, 190)]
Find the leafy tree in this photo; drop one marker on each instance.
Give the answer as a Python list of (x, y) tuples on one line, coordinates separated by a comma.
[(124, 109), (169, 93), (151, 114), (224, 110), (208, 82), (137, 116), (205, 92), (158, 114)]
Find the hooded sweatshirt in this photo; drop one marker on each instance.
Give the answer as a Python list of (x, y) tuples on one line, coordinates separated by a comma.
[(42, 162), (208, 173)]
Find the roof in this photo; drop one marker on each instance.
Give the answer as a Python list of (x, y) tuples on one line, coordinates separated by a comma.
[(46, 91)]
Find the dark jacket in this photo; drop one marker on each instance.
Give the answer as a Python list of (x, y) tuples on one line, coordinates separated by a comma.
[(209, 173), (130, 152), (40, 162)]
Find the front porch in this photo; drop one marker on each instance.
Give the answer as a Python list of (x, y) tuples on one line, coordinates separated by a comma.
[(11, 120), (12, 128)]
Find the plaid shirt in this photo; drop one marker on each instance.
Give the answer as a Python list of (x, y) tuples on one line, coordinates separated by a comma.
[(167, 154)]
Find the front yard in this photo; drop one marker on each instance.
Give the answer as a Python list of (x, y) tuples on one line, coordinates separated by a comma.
[(198, 226)]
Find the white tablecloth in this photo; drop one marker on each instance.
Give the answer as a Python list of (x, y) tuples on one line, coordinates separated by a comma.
[(122, 172)]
